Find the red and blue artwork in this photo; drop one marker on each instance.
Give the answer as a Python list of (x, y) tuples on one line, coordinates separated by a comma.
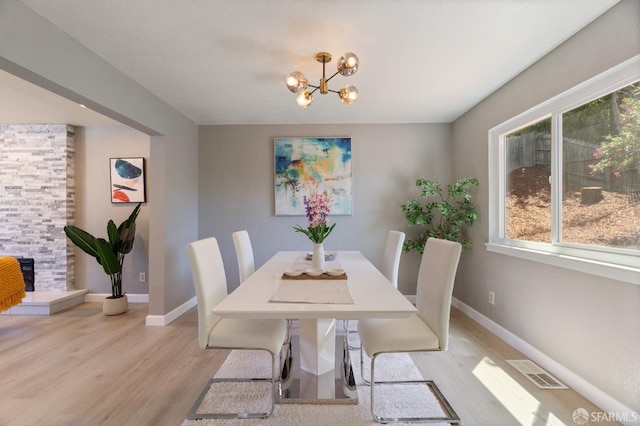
[(127, 180)]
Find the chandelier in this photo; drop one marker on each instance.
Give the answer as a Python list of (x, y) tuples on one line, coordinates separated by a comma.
[(347, 65)]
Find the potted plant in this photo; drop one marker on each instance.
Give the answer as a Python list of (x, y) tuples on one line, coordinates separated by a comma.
[(110, 254), (442, 216)]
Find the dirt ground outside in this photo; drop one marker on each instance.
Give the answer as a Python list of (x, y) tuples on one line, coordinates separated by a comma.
[(614, 221)]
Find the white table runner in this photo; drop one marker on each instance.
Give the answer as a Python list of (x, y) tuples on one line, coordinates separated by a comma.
[(312, 291)]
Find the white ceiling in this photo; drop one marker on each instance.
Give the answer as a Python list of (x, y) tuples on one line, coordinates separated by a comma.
[(224, 62)]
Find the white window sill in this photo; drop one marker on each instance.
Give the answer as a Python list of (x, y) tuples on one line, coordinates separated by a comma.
[(602, 269)]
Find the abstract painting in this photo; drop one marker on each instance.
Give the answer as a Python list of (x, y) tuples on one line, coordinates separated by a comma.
[(309, 164), (127, 180)]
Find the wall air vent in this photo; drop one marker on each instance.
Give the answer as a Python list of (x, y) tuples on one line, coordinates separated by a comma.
[(537, 375)]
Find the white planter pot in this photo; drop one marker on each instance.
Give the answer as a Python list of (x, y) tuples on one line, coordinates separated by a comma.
[(115, 306)]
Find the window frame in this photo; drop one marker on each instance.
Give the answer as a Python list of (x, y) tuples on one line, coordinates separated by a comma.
[(623, 265)]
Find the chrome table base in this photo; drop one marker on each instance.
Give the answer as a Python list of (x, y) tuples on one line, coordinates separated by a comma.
[(301, 387)]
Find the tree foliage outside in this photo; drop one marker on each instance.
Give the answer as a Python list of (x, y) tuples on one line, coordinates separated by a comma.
[(592, 121), (595, 120), (443, 217), (620, 151)]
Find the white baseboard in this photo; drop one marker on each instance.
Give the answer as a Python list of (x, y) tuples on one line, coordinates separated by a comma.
[(133, 298), (599, 398), (163, 320)]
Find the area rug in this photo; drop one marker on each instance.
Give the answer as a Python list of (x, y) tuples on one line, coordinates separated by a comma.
[(390, 400)]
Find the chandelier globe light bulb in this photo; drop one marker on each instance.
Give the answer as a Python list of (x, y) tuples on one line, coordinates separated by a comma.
[(348, 64), (348, 94), (297, 82), (304, 99)]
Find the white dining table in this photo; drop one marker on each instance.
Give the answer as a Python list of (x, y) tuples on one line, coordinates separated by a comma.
[(365, 293)]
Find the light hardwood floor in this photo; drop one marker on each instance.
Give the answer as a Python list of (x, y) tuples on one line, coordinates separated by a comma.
[(79, 367)]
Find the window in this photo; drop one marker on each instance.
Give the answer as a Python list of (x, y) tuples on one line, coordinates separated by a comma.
[(565, 178)]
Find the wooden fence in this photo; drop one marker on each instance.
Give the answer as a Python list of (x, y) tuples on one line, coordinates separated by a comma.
[(534, 149)]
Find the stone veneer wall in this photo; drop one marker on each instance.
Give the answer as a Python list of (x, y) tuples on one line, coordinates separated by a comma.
[(37, 193)]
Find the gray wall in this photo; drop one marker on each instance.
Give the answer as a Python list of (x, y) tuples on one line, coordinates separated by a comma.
[(237, 188), (589, 324), (37, 51), (95, 145)]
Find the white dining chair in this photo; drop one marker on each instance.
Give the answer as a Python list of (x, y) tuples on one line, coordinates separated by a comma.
[(246, 264), (426, 331), (244, 253), (391, 256), (389, 268), (215, 332)]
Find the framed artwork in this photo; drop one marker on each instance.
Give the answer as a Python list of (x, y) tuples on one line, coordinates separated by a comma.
[(127, 180), (310, 164)]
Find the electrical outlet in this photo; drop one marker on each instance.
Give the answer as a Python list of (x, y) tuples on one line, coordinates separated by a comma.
[(492, 298), (143, 277)]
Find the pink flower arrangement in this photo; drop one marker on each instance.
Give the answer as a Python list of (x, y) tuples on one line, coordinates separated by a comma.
[(318, 207)]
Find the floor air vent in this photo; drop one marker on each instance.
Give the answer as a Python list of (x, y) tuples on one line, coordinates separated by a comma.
[(537, 375)]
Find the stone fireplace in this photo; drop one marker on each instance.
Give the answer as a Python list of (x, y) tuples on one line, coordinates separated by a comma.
[(37, 200)]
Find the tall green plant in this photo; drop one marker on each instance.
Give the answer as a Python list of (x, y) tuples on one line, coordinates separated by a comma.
[(442, 216), (109, 253)]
